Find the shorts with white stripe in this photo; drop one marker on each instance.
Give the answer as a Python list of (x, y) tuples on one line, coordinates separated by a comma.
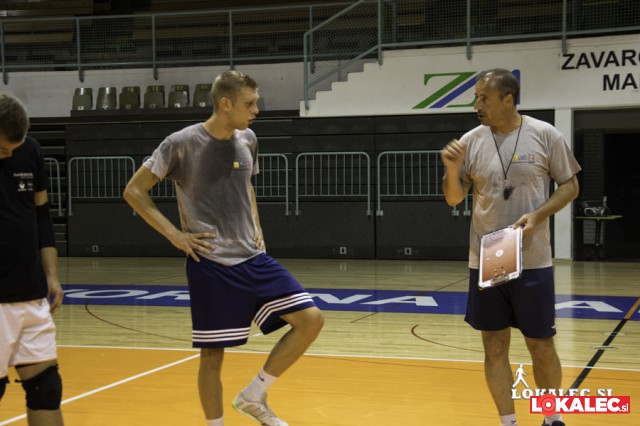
[(225, 299)]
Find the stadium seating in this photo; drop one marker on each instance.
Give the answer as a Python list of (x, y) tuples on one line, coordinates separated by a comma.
[(179, 96), (154, 97), (129, 97), (202, 96), (82, 99), (106, 98)]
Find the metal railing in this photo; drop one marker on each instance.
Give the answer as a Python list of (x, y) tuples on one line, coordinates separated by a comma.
[(343, 175), (410, 174), (98, 178), (55, 193), (318, 175), (407, 174), (340, 41), (272, 183), (408, 24), (164, 189), (467, 210), (326, 36), (154, 40)]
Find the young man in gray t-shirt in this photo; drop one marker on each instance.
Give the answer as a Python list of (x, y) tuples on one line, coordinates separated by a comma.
[(232, 280), (510, 160)]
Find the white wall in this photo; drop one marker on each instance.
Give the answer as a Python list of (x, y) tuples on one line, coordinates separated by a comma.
[(595, 73), (549, 80), (49, 94), (563, 223)]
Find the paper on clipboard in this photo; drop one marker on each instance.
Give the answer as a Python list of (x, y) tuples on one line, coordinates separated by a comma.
[(500, 257)]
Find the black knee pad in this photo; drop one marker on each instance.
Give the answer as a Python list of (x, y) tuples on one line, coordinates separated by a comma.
[(44, 391), (3, 385)]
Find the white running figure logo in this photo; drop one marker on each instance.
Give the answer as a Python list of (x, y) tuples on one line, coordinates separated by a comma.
[(520, 377)]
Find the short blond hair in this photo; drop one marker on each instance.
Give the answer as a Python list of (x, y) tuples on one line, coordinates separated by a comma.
[(228, 85)]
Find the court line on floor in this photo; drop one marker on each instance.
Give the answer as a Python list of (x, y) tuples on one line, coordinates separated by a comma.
[(332, 355), (418, 293), (596, 357), (124, 327), (315, 355), (112, 385)]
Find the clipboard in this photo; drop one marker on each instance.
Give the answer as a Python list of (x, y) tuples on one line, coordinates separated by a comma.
[(500, 257)]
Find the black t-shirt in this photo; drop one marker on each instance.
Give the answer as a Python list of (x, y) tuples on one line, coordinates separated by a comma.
[(21, 176)]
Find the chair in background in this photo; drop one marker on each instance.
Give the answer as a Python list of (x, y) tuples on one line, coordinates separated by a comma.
[(106, 99), (82, 99), (154, 97), (179, 96), (202, 96), (129, 97)]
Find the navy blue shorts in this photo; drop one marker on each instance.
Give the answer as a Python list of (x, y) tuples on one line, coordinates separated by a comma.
[(225, 299), (526, 303)]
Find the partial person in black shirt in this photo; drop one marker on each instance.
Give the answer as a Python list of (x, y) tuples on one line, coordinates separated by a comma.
[(30, 289)]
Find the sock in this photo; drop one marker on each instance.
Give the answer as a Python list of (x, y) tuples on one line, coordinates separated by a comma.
[(215, 422), (548, 420), (508, 420), (258, 386)]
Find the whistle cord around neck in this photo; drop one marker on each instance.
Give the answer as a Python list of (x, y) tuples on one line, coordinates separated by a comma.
[(505, 172)]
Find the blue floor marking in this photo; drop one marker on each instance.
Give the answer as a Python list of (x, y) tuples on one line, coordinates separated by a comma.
[(452, 303)]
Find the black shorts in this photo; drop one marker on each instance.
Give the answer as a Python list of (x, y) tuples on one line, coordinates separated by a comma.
[(526, 303)]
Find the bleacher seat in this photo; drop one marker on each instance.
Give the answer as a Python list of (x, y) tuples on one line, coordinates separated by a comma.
[(202, 96), (179, 96), (129, 97), (82, 99), (154, 97), (106, 98)]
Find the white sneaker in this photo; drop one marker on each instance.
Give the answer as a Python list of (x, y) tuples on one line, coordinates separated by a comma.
[(257, 410)]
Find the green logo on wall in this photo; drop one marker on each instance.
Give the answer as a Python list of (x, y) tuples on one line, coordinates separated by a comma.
[(454, 87)]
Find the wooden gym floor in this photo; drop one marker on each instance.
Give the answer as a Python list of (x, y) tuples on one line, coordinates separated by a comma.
[(132, 364)]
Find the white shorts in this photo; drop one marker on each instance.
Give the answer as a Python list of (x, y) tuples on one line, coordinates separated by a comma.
[(28, 334)]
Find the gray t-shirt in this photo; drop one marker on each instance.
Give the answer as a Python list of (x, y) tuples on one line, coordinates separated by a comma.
[(541, 155), (213, 179)]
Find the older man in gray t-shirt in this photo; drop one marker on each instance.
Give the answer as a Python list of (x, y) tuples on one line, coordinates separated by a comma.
[(510, 161), (541, 156)]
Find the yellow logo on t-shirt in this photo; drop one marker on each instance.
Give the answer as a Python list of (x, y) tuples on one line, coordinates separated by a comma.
[(242, 165)]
